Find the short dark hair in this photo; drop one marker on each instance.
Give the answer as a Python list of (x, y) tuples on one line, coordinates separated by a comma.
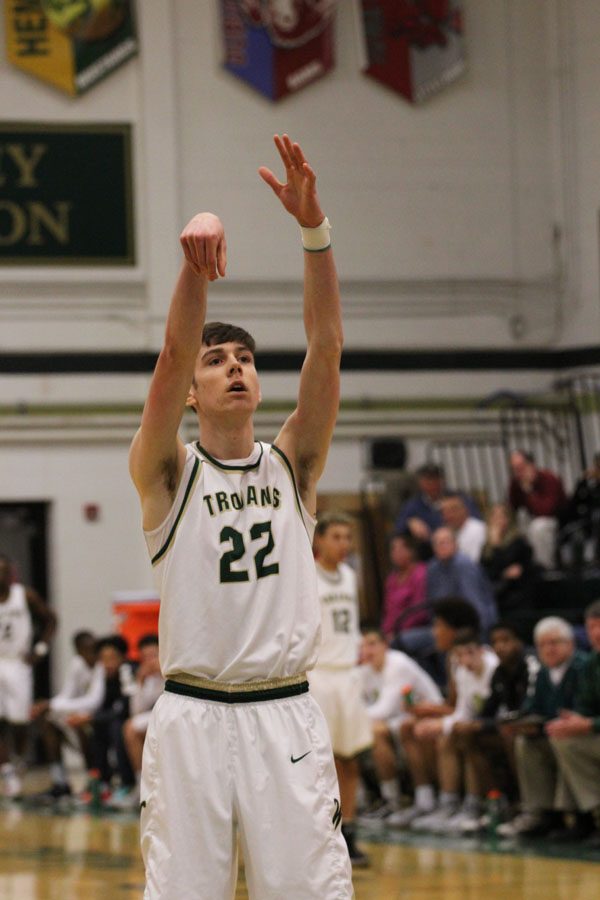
[(506, 626), (430, 470), (148, 640), (409, 541), (466, 636), (593, 610), (80, 637), (116, 641), (332, 517), (457, 613), (223, 333), (373, 629)]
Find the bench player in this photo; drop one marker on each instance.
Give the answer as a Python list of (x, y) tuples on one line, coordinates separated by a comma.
[(335, 682), (235, 744)]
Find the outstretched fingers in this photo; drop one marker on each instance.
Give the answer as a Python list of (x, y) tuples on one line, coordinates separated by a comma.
[(268, 177)]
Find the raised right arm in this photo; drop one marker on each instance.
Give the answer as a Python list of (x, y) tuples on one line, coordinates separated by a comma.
[(157, 455)]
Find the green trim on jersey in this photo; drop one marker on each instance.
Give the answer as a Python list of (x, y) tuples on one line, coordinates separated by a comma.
[(288, 467), (158, 556), (277, 693), (215, 462)]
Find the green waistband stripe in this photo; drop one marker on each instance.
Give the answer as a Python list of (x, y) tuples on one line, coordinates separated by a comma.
[(276, 693), (186, 497)]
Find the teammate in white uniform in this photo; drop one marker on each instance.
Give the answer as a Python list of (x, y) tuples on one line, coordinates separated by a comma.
[(335, 681), (17, 656), (236, 745)]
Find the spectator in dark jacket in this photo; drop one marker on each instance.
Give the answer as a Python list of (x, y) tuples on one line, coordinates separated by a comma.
[(544, 794), (575, 737), (507, 559), (541, 495)]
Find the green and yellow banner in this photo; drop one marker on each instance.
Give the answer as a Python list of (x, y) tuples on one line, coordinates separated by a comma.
[(71, 44)]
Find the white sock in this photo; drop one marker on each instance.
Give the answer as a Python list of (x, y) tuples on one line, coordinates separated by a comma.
[(58, 774), (390, 791), (425, 797)]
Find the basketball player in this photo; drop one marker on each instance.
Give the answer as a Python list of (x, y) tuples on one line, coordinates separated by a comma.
[(19, 605), (236, 745), (335, 682)]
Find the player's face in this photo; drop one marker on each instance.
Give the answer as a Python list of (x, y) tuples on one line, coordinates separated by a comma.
[(87, 651), (111, 659), (334, 546), (554, 649), (469, 656), (443, 635), (372, 651), (506, 646), (593, 632), (149, 655), (225, 381)]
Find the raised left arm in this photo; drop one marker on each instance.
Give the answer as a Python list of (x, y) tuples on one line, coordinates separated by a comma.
[(306, 435)]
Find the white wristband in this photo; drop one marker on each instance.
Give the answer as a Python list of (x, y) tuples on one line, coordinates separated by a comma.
[(316, 239)]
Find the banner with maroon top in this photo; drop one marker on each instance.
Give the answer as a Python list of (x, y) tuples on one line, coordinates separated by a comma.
[(415, 47), (278, 46)]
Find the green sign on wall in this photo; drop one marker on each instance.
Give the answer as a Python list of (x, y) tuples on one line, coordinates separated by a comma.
[(66, 195)]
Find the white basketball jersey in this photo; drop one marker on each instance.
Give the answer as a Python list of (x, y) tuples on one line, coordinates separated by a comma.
[(235, 572), (15, 624), (340, 630)]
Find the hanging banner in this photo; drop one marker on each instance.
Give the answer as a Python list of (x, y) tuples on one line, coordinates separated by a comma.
[(71, 44), (416, 47), (66, 194), (278, 46)]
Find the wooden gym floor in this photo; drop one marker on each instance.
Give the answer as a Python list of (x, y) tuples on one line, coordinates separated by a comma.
[(45, 856)]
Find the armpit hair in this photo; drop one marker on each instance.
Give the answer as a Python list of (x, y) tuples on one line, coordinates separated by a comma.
[(168, 470), (305, 465)]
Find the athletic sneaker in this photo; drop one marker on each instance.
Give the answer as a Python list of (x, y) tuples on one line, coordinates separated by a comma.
[(404, 817), (11, 783), (527, 824), (466, 821), (58, 793), (376, 814), (435, 821), (125, 799)]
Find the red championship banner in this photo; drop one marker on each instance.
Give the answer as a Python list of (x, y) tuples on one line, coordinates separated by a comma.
[(278, 46), (415, 47), (71, 44)]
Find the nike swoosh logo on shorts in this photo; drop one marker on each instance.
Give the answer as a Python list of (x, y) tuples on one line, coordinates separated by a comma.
[(298, 758)]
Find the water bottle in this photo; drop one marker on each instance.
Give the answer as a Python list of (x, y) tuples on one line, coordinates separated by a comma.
[(408, 696), (494, 811)]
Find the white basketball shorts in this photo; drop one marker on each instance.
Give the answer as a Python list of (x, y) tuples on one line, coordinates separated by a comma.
[(16, 691), (263, 771), (338, 693)]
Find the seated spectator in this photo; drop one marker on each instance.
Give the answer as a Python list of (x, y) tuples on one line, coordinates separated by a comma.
[(583, 516), (431, 751), (540, 495), (106, 723), (451, 574), (507, 559), (544, 794), (392, 684), (575, 740), (420, 515), (81, 694), (149, 685), (404, 591), (488, 752), (468, 531)]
